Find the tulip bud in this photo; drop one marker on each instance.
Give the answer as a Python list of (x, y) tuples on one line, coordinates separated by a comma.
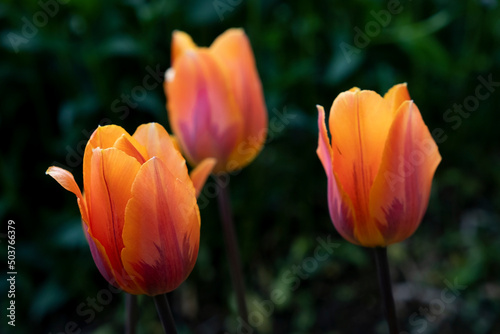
[(379, 163), (215, 101), (139, 210)]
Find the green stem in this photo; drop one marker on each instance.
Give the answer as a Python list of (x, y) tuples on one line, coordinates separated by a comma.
[(384, 280), (232, 250), (166, 318), (131, 314)]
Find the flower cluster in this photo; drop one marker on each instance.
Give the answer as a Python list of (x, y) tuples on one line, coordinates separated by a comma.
[(138, 205)]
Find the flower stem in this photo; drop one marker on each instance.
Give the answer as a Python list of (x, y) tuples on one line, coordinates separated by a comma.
[(384, 280), (232, 250), (163, 309), (131, 315)]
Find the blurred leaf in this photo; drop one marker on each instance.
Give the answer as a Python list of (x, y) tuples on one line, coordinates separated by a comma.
[(120, 46), (49, 297), (71, 235)]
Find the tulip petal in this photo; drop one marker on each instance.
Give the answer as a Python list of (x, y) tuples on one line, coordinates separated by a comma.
[(200, 174), (234, 50), (98, 252), (359, 123), (100, 258), (339, 204), (202, 108), (67, 181), (181, 42), (162, 229), (103, 137), (175, 142), (396, 96), (106, 136), (113, 173), (131, 147), (159, 144), (401, 190)]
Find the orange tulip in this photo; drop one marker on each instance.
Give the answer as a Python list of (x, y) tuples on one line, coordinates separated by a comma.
[(379, 165), (215, 100), (139, 210)]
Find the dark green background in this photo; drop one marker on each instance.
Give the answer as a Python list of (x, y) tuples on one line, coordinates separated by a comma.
[(62, 82)]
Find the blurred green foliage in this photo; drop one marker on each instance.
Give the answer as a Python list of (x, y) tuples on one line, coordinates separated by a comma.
[(73, 70)]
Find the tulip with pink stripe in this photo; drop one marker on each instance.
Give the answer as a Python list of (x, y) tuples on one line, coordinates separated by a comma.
[(379, 162)]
